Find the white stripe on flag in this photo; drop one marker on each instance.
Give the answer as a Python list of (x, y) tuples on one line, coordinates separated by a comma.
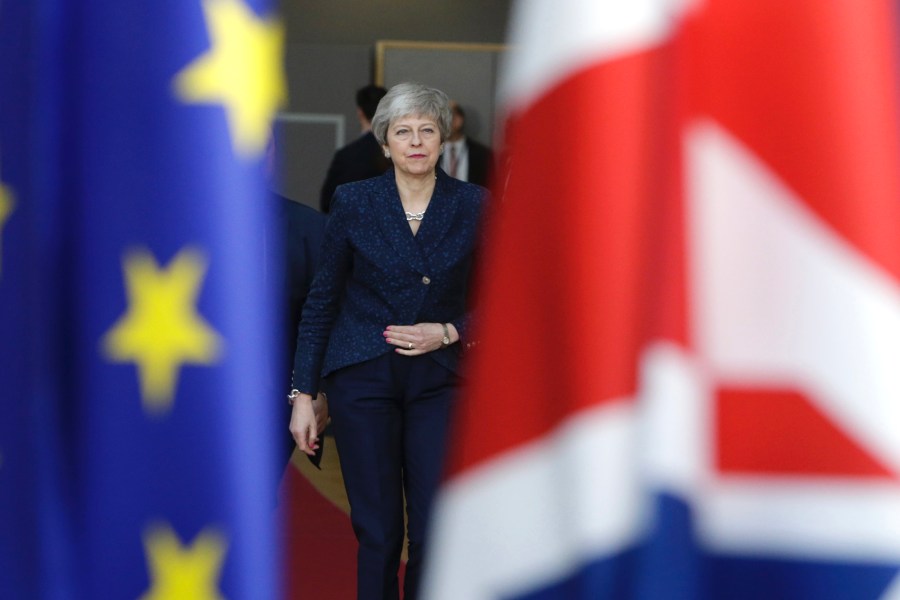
[(551, 40), (534, 515), (675, 421), (844, 520), (781, 299)]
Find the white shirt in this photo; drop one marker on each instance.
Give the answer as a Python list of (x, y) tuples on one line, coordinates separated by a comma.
[(462, 158)]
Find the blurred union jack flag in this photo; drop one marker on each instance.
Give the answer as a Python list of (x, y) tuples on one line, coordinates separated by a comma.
[(699, 399)]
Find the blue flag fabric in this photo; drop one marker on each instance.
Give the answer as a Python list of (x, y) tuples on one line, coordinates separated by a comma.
[(136, 454), (35, 548)]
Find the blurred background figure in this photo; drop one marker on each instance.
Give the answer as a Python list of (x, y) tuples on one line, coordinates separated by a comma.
[(463, 157), (298, 229), (362, 158)]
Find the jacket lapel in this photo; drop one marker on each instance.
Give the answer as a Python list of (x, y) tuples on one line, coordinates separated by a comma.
[(439, 216), (392, 222)]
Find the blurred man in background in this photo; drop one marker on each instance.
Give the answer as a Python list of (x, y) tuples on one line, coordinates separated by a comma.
[(361, 158), (463, 157)]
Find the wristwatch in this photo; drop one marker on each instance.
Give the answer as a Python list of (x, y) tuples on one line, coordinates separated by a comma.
[(446, 341)]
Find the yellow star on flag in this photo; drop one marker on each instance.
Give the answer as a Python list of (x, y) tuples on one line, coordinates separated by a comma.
[(161, 329), (178, 571), (242, 70), (6, 208)]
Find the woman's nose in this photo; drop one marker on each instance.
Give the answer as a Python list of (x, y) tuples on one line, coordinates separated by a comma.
[(416, 140)]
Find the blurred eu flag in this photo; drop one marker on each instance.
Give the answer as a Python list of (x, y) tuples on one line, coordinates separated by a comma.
[(136, 456)]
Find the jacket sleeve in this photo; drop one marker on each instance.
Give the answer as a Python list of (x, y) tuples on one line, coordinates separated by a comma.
[(322, 304)]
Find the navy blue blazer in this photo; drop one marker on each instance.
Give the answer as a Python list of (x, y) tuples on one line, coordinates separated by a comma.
[(374, 272)]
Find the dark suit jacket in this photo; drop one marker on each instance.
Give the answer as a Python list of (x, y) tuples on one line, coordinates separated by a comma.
[(481, 161), (360, 159), (303, 230), (375, 273)]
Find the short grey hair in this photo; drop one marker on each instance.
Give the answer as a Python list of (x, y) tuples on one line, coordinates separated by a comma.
[(412, 99)]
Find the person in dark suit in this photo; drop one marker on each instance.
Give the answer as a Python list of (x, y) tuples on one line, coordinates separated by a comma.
[(463, 157), (382, 326), (362, 158), (303, 230), (293, 249)]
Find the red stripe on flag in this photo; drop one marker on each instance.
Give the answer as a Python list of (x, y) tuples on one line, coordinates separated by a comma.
[(780, 432), (812, 88), (562, 302)]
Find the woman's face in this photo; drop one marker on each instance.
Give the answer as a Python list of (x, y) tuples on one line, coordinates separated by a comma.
[(415, 144)]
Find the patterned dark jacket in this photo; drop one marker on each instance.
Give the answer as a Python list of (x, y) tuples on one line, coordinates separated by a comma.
[(374, 272)]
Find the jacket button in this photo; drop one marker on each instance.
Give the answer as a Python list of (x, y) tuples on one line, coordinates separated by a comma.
[(426, 279)]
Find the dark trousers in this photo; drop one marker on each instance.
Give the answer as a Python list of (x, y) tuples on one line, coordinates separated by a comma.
[(390, 417)]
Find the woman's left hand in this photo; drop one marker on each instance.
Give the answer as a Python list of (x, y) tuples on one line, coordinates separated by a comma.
[(413, 340), (303, 424)]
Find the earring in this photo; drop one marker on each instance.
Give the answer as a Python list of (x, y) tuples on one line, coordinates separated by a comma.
[(387, 153)]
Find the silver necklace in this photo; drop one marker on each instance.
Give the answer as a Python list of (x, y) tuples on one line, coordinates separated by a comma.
[(419, 215)]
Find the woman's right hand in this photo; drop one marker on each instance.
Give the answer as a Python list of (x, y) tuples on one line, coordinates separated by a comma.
[(303, 425)]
